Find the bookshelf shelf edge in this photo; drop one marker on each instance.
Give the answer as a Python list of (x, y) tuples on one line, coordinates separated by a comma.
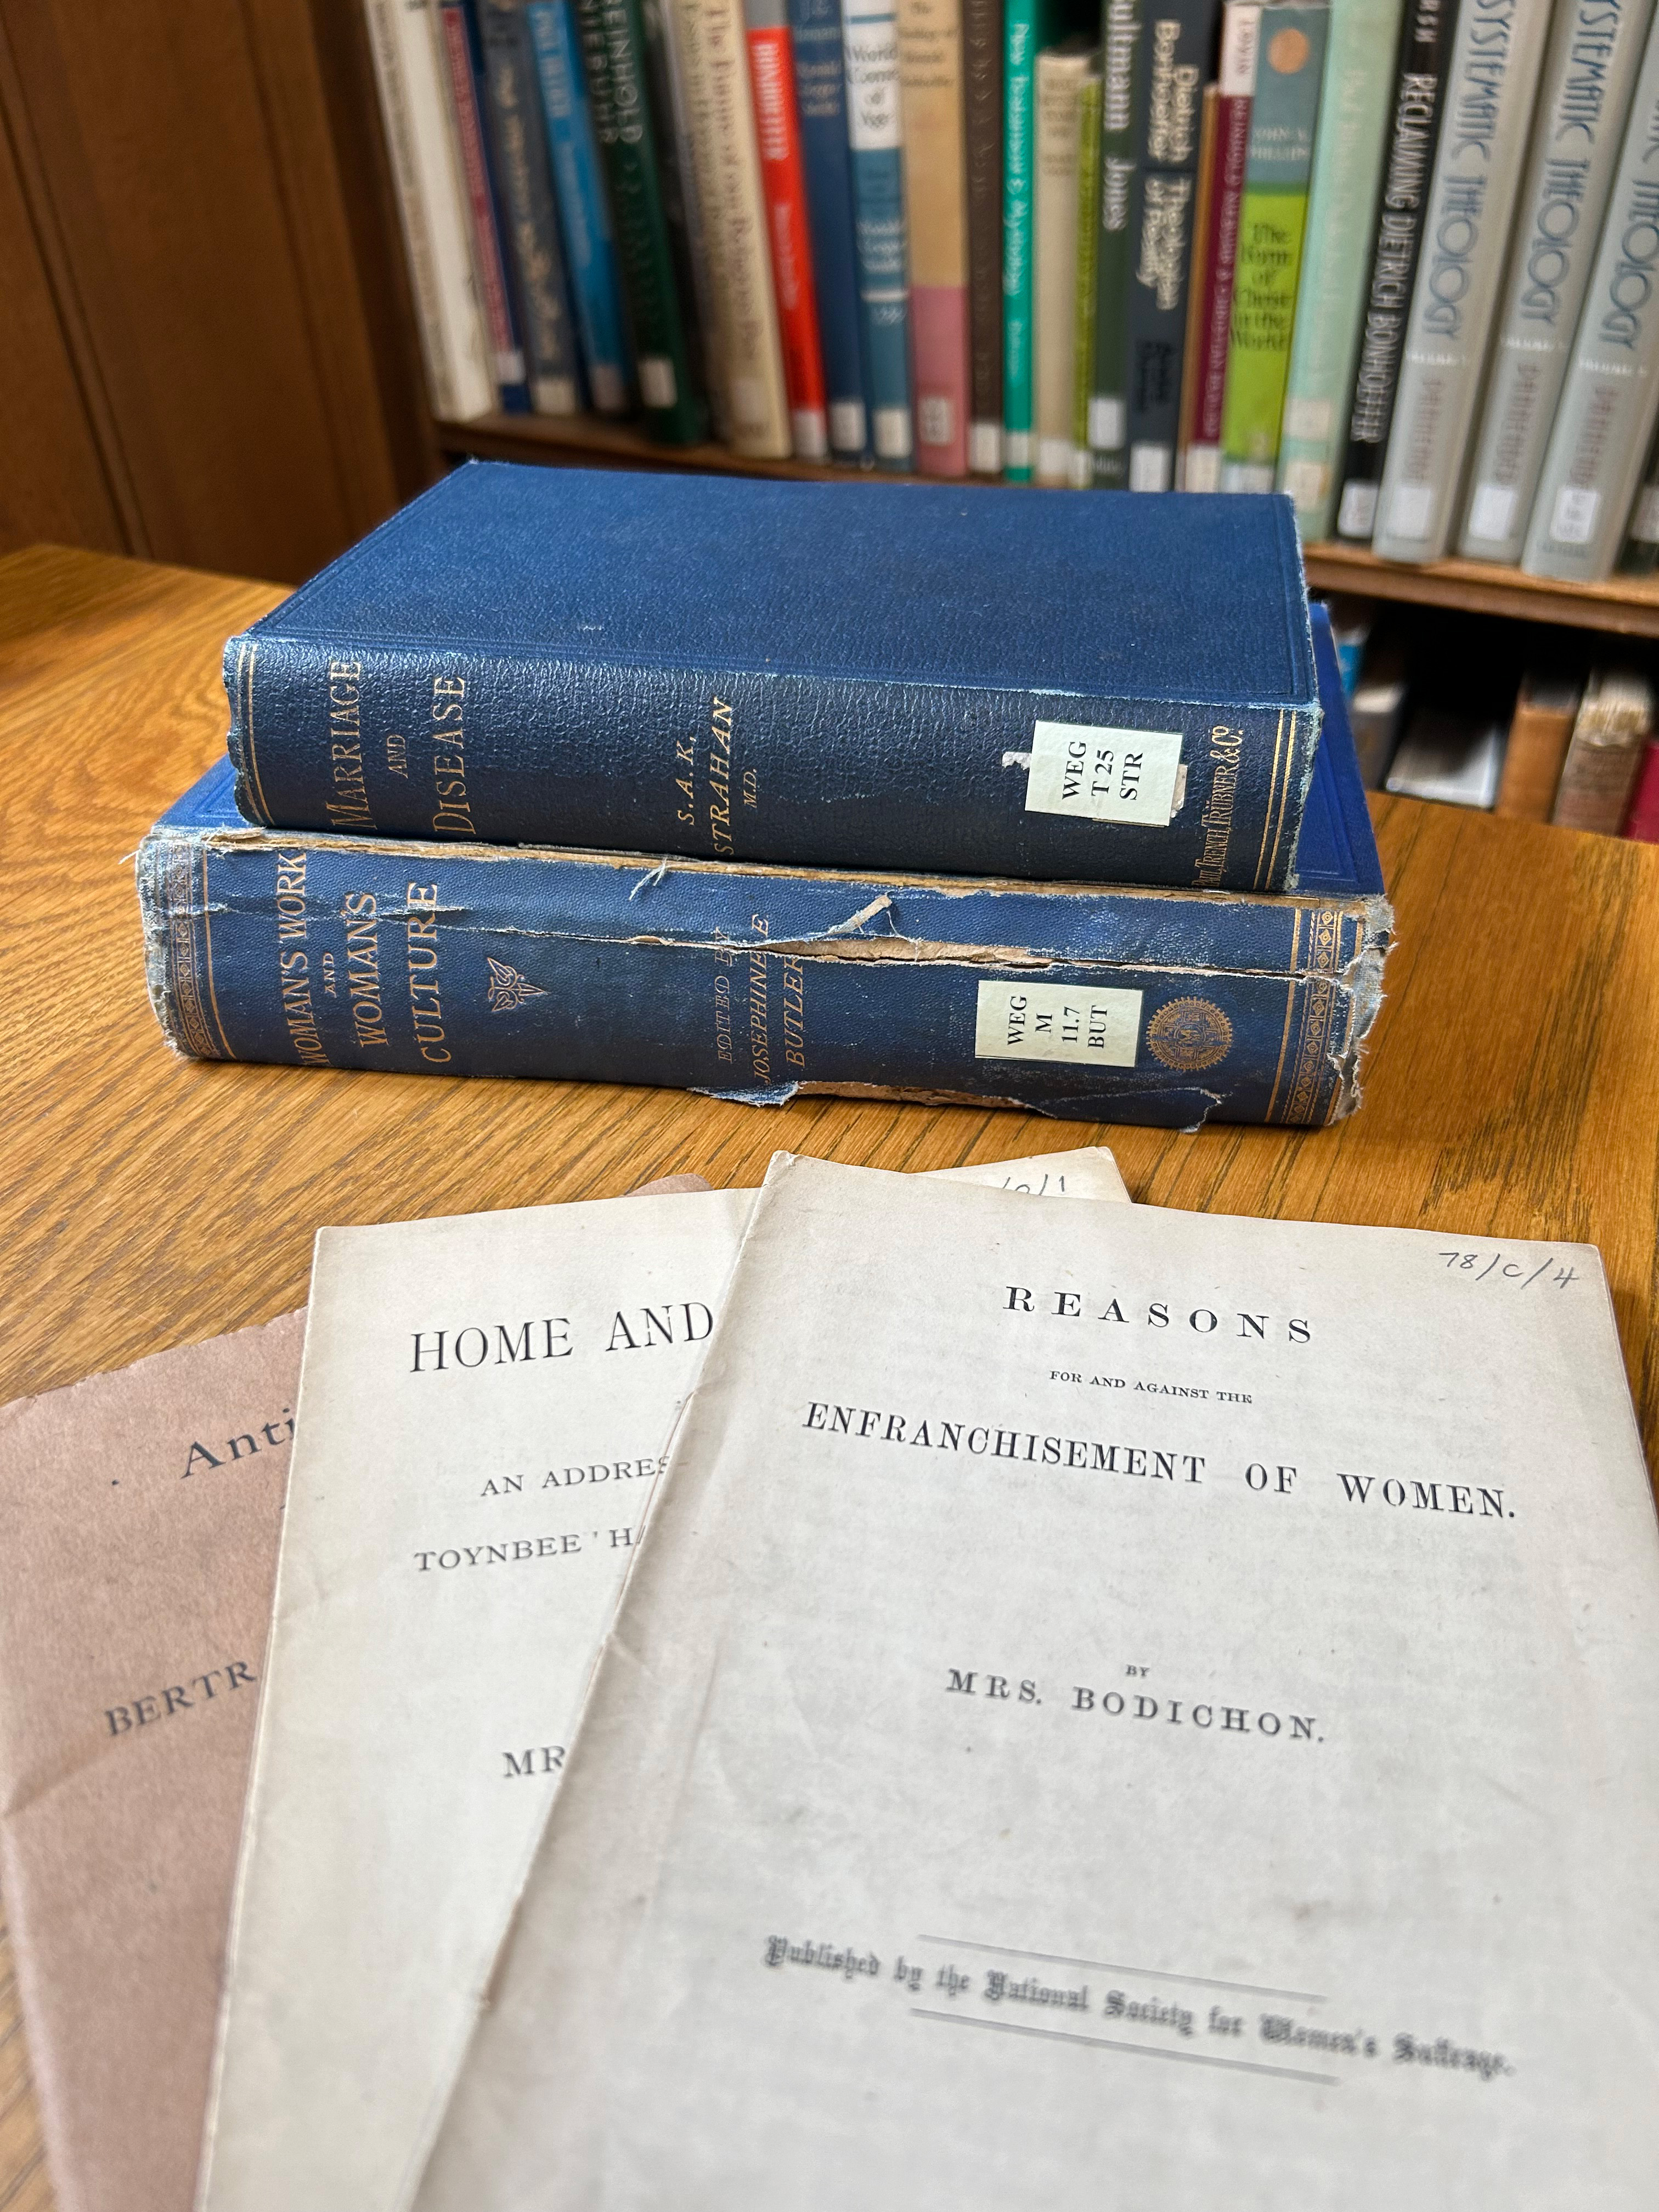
[(1626, 606)]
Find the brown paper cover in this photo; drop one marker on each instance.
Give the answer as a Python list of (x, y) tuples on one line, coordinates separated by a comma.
[(139, 1514)]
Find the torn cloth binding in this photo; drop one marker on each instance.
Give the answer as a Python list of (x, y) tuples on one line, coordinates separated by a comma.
[(754, 983)]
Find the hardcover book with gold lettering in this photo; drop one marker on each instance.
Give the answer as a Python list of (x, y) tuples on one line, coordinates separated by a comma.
[(870, 676), (751, 982)]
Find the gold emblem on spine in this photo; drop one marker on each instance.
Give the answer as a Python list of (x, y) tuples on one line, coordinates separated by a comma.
[(509, 990), (1189, 1034)]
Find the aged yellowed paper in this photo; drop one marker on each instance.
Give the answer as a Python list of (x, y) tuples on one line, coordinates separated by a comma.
[(483, 1402), (1110, 1705)]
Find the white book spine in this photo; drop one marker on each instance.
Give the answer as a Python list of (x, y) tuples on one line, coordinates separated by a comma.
[(1592, 467), (379, 16), (725, 156), (431, 206), (1596, 49), (1059, 99), (1496, 60)]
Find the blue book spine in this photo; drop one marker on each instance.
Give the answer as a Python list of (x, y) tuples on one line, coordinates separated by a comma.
[(583, 213), (821, 97), (751, 983), (1083, 685), (463, 45), (536, 259), (495, 745), (870, 44)]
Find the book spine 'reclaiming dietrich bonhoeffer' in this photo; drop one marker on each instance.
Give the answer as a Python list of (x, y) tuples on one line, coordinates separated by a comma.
[(613, 52), (535, 656), (1425, 45)]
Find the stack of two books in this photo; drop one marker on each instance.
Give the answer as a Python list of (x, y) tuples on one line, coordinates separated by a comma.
[(762, 789)]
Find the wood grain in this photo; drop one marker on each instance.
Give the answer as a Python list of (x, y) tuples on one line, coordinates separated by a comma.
[(202, 332), (149, 1200), (54, 482), (1627, 606)]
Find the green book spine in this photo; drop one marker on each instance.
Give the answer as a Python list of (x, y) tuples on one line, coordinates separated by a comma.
[(1270, 232), (1088, 263), (1018, 284), (1347, 175), (1109, 396), (613, 50)]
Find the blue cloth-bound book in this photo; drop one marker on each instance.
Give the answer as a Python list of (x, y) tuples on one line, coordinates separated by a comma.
[(821, 96), (754, 982), (518, 144), (982, 681), (870, 46), (583, 212)]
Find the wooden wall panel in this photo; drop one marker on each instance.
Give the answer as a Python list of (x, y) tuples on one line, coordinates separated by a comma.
[(184, 157), (363, 170), (53, 483)]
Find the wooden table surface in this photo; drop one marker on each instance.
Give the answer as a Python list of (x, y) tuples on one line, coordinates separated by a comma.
[(147, 1202)]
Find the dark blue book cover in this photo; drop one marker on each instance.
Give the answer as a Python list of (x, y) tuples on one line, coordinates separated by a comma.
[(821, 96), (584, 211), (464, 52), (1177, 58), (517, 146), (980, 681), (754, 982)]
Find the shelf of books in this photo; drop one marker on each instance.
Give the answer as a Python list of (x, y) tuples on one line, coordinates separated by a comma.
[(1346, 253)]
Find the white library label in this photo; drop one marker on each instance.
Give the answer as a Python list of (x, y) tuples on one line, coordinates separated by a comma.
[(1572, 520), (1492, 511), (1104, 775), (1057, 1021), (657, 387)]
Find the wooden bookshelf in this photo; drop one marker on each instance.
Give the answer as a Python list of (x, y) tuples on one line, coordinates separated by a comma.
[(587, 441), (1627, 606)]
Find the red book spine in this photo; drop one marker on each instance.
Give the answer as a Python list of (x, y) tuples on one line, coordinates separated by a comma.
[(783, 183), (486, 246), (1644, 822), (1240, 30)]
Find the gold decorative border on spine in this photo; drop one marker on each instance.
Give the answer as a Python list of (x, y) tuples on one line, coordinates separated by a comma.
[(1324, 958), (1267, 815), (1290, 1010), (1284, 794), (183, 966), (207, 946), (247, 653)]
